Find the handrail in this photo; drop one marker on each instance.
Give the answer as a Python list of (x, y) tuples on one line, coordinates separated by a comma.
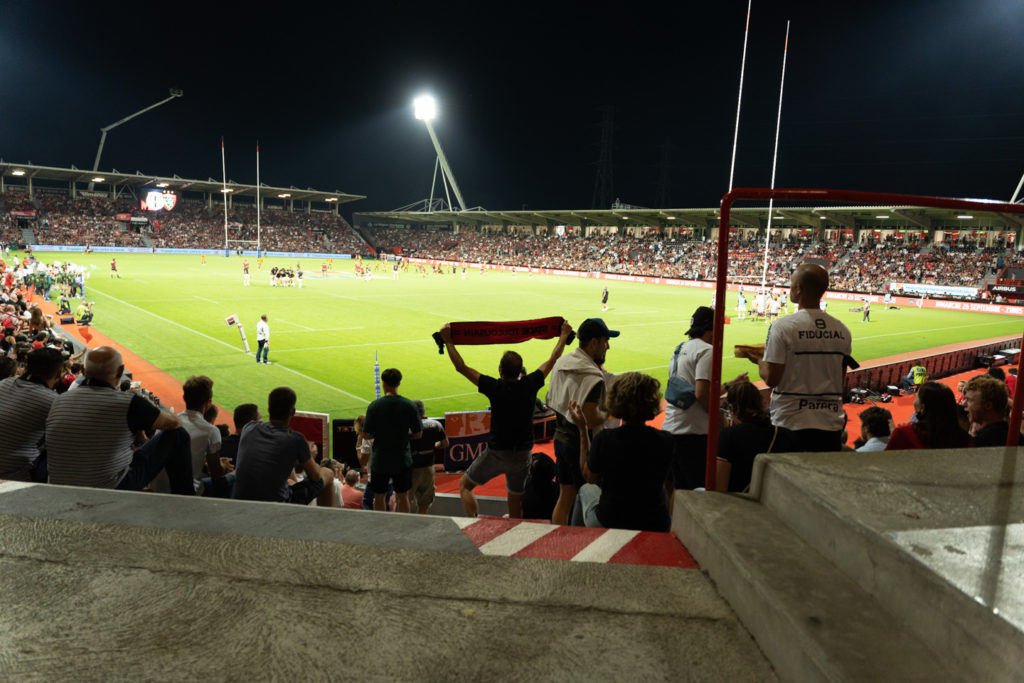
[(820, 195)]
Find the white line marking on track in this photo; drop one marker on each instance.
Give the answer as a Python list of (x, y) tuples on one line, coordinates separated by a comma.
[(233, 348), (605, 546), (516, 538), (463, 522)]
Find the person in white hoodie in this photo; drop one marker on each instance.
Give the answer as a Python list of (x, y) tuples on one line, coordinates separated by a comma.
[(577, 377)]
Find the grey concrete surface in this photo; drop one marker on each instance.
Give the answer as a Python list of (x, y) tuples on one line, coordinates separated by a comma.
[(935, 536), (137, 597), (813, 622)]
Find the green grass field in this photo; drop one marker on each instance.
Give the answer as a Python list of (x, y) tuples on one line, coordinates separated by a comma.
[(171, 309)]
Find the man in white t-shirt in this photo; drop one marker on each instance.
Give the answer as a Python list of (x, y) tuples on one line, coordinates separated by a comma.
[(205, 438), (689, 427), (804, 362), (262, 339)]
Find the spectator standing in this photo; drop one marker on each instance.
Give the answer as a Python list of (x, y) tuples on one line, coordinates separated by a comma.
[(268, 453), (391, 421), (804, 361), (423, 450), (513, 397), (580, 377), (691, 362)]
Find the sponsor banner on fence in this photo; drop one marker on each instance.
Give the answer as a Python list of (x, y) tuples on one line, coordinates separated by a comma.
[(467, 437), (23, 213), (935, 290)]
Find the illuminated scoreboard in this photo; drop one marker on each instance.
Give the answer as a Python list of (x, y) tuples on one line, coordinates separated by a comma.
[(159, 200)]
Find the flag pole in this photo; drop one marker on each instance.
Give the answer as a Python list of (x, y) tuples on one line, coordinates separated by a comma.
[(775, 158), (376, 374), (258, 198), (224, 191), (739, 98)]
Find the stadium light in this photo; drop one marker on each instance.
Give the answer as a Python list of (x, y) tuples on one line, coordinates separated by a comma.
[(98, 179), (174, 92), (425, 109), (331, 199), (882, 216), (965, 217), (162, 184), (284, 195), (18, 172)]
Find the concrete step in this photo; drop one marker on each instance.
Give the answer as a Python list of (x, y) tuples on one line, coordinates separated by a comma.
[(811, 621), (937, 537), (102, 585)]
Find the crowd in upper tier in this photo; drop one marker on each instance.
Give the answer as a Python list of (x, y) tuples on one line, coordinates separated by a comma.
[(868, 267), (94, 221)]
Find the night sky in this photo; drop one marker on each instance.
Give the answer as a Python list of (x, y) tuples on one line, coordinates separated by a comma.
[(915, 96)]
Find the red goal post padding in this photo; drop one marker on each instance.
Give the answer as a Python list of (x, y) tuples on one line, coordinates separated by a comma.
[(815, 196)]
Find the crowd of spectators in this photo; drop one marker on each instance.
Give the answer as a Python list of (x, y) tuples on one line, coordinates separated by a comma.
[(92, 221), (869, 267)]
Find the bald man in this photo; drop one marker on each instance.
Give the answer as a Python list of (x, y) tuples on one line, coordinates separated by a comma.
[(804, 364), (90, 433)]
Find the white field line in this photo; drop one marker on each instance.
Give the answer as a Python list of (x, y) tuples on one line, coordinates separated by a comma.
[(289, 322), (355, 346), (934, 329), (660, 322), (205, 299), (635, 312), (233, 348), (310, 329)]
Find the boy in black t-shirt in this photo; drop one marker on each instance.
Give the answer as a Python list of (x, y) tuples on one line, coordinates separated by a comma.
[(512, 397)]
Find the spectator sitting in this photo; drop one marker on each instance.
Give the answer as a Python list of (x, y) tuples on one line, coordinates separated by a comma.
[(243, 415), (633, 461), (541, 489), (1011, 380), (205, 439), (267, 454), (915, 378), (937, 426), (351, 497), (750, 434), (875, 428), (90, 433), (8, 367), (987, 401), (24, 404)]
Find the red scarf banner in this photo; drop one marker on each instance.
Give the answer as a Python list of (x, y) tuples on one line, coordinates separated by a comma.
[(503, 332)]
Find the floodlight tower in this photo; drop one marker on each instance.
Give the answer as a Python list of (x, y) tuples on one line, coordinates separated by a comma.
[(174, 92), (425, 108)]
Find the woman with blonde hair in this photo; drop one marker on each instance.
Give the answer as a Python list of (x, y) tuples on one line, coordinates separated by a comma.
[(633, 462)]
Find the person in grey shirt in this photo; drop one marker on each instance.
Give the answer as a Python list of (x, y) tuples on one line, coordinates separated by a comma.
[(24, 404)]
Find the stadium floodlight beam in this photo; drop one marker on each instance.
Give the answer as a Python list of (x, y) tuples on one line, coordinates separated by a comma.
[(425, 108), (174, 92)]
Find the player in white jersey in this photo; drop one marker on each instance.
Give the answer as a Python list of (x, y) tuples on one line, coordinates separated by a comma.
[(804, 361)]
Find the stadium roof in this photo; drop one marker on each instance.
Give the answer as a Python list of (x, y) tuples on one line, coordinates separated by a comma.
[(828, 217), (15, 174)]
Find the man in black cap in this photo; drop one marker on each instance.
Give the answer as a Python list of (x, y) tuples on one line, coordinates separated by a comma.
[(688, 422), (577, 377)]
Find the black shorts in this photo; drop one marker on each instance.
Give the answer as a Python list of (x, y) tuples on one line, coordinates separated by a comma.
[(303, 492), (402, 481), (567, 459)]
